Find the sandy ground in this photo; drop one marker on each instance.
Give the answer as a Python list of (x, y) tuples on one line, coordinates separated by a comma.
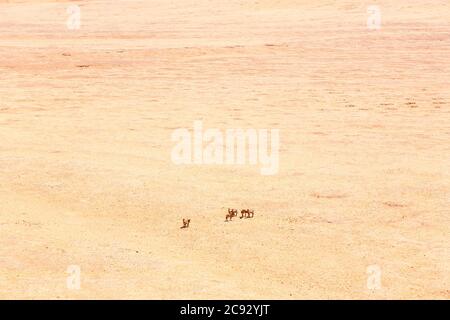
[(86, 179)]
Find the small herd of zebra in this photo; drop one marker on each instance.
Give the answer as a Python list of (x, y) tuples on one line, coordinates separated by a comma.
[(245, 213)]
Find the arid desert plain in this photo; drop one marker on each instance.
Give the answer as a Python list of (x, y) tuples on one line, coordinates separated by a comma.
[(91, 202)]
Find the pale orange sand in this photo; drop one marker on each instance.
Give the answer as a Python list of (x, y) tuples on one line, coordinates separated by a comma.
[(86, 177)]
